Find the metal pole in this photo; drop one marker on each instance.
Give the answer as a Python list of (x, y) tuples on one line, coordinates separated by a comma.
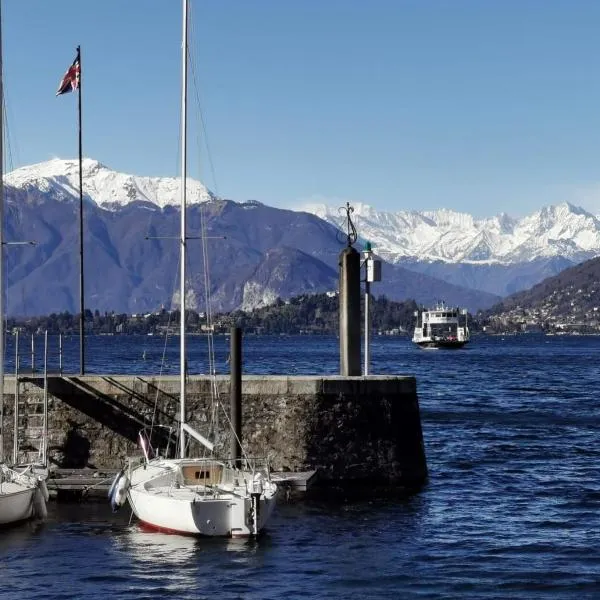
[(81, 287), (235, 366), (32, 354), (60, 368), (182, 266), (16, 432), (1, 253), (45, 430), (367, 324)]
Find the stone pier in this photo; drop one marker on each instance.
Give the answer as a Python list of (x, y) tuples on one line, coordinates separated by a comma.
[(352, 429)]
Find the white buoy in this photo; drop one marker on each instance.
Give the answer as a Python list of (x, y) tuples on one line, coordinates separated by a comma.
[(44, 488), (39, 504)]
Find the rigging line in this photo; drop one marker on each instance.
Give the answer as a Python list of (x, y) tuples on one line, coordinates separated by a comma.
[(177, 169), (196, 88), (214, 394), (203, 137), (209, 317), (228, 420), (207, 288), (8, 150), (203, 217), (165, 345)]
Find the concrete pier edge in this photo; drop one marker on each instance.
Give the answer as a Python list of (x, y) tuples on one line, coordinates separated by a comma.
[(356, 432)]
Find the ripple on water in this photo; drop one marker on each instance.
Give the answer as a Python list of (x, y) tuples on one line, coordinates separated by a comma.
[(510, 509)]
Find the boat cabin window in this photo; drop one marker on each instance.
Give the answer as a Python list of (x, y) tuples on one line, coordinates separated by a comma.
[(209, 475)]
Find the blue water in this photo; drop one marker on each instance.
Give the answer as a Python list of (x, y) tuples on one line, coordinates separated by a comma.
[(511, 509)]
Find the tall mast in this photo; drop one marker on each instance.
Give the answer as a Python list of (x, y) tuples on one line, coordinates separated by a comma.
[(81, 287), (1, 248), (182, 350)]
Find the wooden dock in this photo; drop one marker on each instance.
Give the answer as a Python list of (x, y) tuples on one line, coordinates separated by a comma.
[(95, 483), (79, 483)]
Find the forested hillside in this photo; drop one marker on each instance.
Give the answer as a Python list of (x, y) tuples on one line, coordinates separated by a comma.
[(318, 313)]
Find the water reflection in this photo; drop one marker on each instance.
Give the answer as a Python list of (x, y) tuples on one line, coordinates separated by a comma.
[(16, 536), (147, 545), (152, 547)]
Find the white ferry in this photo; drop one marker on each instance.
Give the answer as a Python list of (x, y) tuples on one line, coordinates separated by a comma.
[(441, 327)]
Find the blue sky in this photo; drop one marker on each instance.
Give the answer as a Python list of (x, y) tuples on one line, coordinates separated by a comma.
[(472, 105)]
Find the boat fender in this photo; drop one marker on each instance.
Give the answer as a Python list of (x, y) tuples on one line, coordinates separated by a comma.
[(119, 491), (45, 493), (113, 485), (39, 504)]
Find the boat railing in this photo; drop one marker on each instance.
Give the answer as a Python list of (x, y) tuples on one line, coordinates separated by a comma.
[(26, 476), (159, 440), (252, 465)]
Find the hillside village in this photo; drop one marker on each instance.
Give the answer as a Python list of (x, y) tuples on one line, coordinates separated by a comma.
[(309, 314), (568, 303)]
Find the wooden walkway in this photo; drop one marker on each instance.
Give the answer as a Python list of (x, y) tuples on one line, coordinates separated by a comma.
[(95, 483)]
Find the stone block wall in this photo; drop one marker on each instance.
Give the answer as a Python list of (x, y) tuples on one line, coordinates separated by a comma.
[(351, 428)]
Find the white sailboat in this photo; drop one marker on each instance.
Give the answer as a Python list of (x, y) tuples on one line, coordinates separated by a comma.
[(194, 496), (23, 494)]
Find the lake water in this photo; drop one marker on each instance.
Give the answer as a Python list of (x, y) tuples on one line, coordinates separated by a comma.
[(511, 508)]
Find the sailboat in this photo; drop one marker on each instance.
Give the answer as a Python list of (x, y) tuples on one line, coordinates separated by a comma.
[(204, 496), (23, 494)]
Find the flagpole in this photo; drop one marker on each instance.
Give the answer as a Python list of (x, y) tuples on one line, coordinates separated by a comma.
[(81, 288)]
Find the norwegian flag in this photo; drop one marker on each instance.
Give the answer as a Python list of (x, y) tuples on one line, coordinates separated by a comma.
[(70, 81)]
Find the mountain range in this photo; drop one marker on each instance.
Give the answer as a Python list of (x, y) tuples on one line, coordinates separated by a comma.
[(255, 253), (500, 255)]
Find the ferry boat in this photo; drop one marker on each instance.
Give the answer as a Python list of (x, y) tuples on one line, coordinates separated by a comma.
[(441, 327)]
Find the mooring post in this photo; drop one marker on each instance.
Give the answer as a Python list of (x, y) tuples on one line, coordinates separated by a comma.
[(349, 312), (235, 386)]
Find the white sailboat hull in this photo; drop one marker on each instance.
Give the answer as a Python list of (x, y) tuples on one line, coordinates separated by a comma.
[(16, 503), (23, 495), (163, 499), (192, 496)]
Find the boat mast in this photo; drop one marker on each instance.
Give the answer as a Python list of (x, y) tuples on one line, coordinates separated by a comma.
[(1, 248), (182, 348)]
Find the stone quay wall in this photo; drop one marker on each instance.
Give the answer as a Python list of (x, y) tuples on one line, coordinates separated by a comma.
[(350, 428)]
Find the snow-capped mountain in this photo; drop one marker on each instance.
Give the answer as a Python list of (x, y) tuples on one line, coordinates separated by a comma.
[(443, 235), (59, 179), (500, 255), (255, 255), (263, 253), (563, 230)]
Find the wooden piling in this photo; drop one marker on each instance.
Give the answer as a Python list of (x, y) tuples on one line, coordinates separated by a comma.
[(349, 312)]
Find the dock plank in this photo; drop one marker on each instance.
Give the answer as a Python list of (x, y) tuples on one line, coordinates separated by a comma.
[(298, 481)]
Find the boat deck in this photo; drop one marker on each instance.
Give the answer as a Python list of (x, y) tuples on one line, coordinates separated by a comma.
[(95, 483), (11, 487), (191, 493)]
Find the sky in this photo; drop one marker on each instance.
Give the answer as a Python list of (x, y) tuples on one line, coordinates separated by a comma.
[(476, 106)]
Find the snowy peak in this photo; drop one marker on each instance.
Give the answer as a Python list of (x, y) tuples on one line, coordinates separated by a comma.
[(443, 235), (446, 236), (107, 188)]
